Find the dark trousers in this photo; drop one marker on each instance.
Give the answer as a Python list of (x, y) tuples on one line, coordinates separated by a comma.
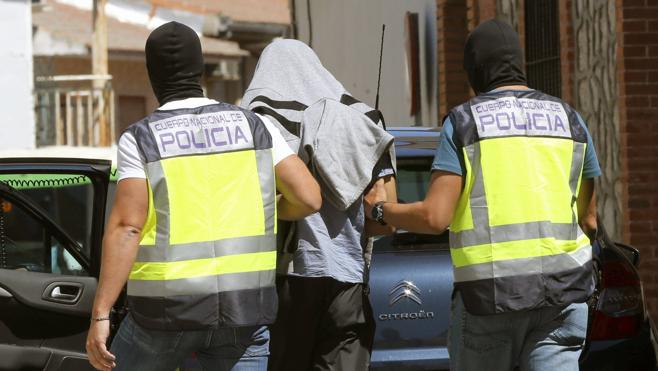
[(323, 324)]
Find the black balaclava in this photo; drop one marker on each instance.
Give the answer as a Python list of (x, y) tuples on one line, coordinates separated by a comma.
[(493, 57), (174, 62)]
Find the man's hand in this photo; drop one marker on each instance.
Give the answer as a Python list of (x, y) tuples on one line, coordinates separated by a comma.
[(376, 193), (97, 352)]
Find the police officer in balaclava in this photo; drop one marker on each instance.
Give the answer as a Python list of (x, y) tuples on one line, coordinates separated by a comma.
[(192, 228), (513, 178)]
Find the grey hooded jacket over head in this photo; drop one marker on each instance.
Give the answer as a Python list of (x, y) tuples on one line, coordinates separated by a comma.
[(338, 137)]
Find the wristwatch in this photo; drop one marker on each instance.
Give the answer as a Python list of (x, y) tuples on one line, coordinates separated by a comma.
[(378, 213)]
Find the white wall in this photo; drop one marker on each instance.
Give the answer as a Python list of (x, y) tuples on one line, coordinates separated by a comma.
[(346, 37), (16, 102)]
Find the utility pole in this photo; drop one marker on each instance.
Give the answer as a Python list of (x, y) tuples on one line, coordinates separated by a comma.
[(99, 68)]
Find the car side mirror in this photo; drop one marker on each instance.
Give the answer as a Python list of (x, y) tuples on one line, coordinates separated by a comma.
[(632, 253)]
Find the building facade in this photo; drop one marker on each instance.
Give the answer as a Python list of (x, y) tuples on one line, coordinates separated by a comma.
[(66, 101), (346, 36)]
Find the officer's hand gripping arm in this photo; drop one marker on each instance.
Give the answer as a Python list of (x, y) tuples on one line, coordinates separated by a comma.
[(383, 190), (432, 215)]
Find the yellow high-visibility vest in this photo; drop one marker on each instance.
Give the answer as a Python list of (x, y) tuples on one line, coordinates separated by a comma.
[(515, 239), (207, 255)]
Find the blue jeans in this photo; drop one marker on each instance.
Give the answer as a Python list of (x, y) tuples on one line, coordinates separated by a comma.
[(542, 339), (222, 349)]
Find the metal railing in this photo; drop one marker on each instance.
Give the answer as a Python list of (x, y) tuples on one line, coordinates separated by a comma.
[(74, 110)]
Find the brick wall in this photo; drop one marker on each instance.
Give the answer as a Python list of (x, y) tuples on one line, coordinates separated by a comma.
[(486, 9), (455, 19), (566, 50), (452, 27), (638, 37)]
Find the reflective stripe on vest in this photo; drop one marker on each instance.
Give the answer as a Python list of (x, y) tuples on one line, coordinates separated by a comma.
[(516, 219), (211, 224)]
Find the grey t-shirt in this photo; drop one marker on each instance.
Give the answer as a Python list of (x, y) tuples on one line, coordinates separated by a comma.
[(330, 243)]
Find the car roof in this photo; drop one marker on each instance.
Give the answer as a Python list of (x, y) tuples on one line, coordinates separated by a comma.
[(415, 141)]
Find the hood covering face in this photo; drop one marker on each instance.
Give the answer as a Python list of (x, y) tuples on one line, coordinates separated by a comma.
[(290, 70), (326, 126), (174, 62), (493, 57)]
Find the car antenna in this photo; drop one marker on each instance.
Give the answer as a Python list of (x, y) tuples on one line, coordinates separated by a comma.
[(379, 76)]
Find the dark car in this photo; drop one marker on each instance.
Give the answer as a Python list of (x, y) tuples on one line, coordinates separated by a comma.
[(52, 213), (411, 287)]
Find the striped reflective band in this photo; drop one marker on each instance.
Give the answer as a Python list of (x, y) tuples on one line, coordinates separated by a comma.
[(260, 261), (499, 251), (158, 181), (577, 162), (576, 167), (477, 197), (527, 266), (515, 232), (202, 285), (265, 163), (201, 250)]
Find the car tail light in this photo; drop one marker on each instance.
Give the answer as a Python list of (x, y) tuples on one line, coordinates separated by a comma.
[(619, 311)]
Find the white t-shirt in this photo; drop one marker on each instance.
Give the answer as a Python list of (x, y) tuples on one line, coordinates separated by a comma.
[(130, 163)]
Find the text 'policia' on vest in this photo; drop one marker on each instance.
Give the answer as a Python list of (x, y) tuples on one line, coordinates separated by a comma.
[(207, 256), (515, 240)]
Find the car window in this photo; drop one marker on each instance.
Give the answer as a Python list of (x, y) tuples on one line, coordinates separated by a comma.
[(413, 176), (66, 198), (26, 244)]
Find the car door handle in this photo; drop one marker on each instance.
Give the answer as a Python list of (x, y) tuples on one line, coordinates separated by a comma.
[(63, 292), (58, 293), (5, 294)]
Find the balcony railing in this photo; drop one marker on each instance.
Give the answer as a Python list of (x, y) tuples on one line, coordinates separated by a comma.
[(74, 110)]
